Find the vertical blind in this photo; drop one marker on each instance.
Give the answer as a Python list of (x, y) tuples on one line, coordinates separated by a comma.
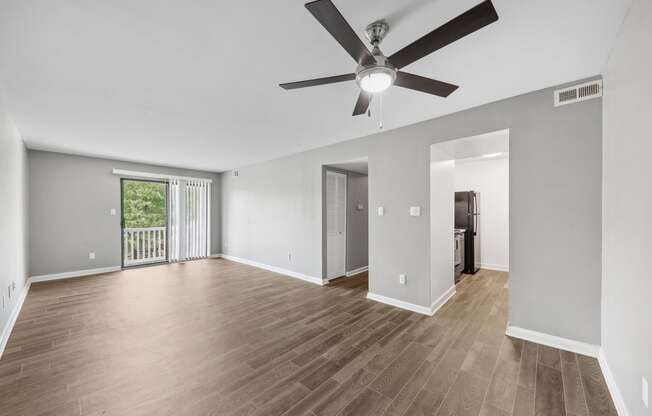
[(190, 224)]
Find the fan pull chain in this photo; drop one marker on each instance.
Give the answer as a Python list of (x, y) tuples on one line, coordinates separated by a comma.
[(380, 111)]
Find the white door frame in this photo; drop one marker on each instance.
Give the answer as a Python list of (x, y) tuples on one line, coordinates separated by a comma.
[(346, 206)]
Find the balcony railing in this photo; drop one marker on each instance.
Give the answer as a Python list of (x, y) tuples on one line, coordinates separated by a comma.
[(144, 245)]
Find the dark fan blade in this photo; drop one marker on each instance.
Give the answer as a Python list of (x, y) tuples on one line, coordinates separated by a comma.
[(362, 104), (317, 81), (464, 24), (423, 84), (331, 18)]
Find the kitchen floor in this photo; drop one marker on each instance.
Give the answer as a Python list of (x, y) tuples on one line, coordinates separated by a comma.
[(214, 337)]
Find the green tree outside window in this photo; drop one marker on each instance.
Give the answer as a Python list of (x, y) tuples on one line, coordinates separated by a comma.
[(143, 204)]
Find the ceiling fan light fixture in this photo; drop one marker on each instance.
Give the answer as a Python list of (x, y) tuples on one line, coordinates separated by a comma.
[(376, 79)]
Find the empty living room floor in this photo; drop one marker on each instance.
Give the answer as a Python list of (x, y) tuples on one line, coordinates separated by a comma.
[(214, 337)]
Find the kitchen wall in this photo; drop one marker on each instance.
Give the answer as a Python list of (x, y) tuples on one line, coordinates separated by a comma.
[(626, 285), (13, 220), (442, 222), (274, 207), (357, 221), (71, 198), (489, 177)]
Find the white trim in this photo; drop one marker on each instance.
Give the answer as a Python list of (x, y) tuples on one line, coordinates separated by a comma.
[(441, 301), (6, 331), (424, 310), (496, 267), (357, 271), (616, 395), (290, 273), (565, 344), (77, 273), (149, 175)]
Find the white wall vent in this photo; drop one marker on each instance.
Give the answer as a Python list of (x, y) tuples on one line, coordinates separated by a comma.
[(577, 93)]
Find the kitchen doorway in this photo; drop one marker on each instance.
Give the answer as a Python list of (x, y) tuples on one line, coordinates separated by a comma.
[(469, 198)]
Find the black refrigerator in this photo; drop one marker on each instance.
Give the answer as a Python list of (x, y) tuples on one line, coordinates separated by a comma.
[(467, 216)]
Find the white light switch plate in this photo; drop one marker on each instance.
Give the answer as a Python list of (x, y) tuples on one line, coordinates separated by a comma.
[(113, 211), (401, 279), (91, 256), (381, 211), (415, 211)]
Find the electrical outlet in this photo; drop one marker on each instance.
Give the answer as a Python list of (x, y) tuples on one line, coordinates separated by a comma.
[(401, 279), (645, 392), (381, 211), (9, 291), (13, 285), (113, 211), (91, 255)]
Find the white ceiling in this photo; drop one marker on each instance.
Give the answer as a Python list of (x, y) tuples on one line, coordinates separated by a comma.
[(195, 84)]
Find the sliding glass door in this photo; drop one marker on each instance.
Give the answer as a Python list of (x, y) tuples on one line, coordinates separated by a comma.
[(144, 222), (165, 220)]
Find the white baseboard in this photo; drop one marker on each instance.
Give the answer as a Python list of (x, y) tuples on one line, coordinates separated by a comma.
[(496, 267), (616, 395), (441, 301), (356, 271), (290, 273), (9, 326), (77, 273), (565, 344), (424, 310), (399, 303)]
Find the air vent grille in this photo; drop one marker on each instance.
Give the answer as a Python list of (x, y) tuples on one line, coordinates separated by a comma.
[(578, 93)]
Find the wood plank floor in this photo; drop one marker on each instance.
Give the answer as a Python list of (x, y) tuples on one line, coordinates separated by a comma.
[(214, 337)]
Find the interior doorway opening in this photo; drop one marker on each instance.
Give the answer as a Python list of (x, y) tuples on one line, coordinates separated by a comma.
[(345, 254), (144, 223), (469, 198)]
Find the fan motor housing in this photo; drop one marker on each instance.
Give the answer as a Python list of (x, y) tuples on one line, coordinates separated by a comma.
[(376, 32)]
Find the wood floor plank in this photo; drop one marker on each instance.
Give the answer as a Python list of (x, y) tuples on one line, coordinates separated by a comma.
[(597, 394), (213, 337), (528, 372), (465, 397), (283, 401), (409, 392), (391, 381), (344, 394), (550, 356), (549, 399), (524, 404), (368, 403), (573, 389)]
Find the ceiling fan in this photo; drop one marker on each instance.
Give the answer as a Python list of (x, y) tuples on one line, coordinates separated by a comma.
[(376, 72)]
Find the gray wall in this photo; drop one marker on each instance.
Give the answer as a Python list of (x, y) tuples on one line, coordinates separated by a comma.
[(13, 216), (71, 197), (357, 221), (627, 286), (274, 208)]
